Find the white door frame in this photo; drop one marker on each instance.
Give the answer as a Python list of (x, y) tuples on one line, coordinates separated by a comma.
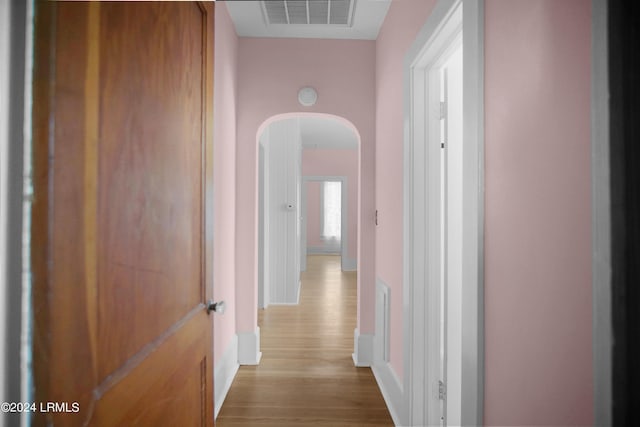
[(16, 60), (263, 230), (421, 216), (344, 218), (601, 218)]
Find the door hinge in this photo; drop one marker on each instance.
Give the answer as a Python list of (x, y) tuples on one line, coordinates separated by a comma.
[(442, 390), (443, 110)]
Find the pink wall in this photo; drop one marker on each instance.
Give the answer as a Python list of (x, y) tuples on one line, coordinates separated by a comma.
[(401, 26), (270, 73), (537, 230), (224, 152), (313, 214), (316, 162), (538, 247)]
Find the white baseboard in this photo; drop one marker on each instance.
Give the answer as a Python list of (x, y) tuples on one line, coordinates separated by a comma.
[(382, 339), (249, 347), (224, 373), (349, 264), (362, 349), (388, 382), (323, 250), (391, 390)]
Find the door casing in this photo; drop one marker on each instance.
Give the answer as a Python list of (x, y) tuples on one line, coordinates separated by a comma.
[(421, 183), (343, 216)]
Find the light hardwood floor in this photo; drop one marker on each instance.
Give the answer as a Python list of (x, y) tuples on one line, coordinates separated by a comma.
[(306, 375)]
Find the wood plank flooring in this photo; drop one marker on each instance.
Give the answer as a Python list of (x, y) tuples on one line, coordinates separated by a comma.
[(306, 375)]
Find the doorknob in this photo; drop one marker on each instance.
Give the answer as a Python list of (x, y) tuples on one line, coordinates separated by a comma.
[(219, 307)]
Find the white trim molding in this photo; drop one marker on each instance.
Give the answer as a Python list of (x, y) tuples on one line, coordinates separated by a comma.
[(5, 67), (382, 319), (601, 218), (391, 390), (421, 256), (363, 349), (322, 250), (224, 373), (387, 380), (349, 264), (16, 66), (249, 347)]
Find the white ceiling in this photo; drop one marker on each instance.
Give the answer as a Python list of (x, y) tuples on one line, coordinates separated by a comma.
[(249, 19), (326, 133), (322, 133)]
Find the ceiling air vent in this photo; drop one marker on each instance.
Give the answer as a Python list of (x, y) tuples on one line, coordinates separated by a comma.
[(303, 12)]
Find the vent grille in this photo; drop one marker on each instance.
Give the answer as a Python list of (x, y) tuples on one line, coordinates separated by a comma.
[(303, 12)]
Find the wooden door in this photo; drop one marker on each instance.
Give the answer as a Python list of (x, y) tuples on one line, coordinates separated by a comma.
[(121, 220)]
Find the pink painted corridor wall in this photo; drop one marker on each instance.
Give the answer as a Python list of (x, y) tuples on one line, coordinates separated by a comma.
[(313, 214), (224, 158), (537, 222), (270, 73), (318, 162), (401, 26)]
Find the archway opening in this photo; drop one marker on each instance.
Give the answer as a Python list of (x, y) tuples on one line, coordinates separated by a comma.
[(300, 156)]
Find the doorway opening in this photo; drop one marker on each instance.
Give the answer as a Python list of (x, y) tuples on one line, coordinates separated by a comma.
[(325, 225), (443, 218), (331, 214), (308, 193)]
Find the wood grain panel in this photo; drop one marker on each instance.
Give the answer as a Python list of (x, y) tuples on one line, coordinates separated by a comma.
[(44, 29), (69, 328), (178, 393), (121, 235), (151, 143)]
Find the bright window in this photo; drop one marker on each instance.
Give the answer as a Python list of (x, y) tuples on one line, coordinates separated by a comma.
[(332, 209)]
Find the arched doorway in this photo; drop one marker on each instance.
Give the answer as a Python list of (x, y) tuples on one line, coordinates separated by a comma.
[(296, 149)]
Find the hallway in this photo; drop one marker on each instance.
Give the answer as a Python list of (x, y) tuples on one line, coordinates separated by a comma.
[(306, 375)]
